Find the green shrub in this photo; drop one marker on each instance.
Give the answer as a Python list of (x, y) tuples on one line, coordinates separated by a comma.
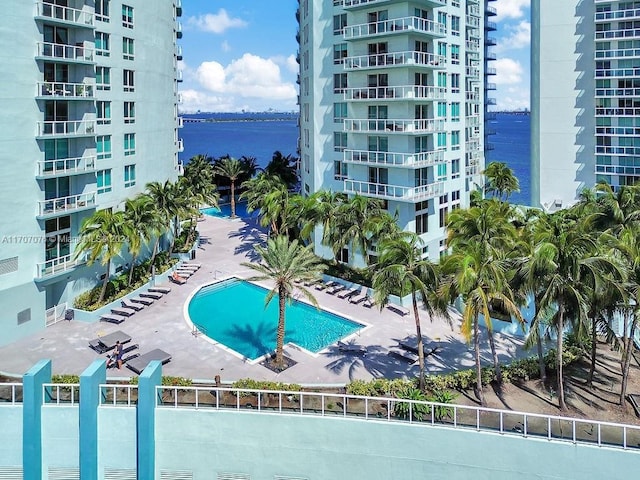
[(65, 379), (414, 411), (176, 381), (442, 396), (251, 384)]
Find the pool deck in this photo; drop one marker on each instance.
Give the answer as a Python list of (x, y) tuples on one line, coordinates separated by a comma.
[(223, 247)]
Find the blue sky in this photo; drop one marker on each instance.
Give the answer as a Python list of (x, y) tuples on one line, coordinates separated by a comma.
[(240, 55)]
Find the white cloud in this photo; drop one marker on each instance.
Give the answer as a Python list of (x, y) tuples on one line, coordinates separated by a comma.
[(514, 98), (512, 8), (515, 37), (508, 71), (216, 22)]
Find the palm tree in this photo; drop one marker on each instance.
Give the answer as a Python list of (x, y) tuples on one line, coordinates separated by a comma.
[(500, 180), (232, 169), (284, 262), (322, 210), (102, 237), (170, 203), (401, 269), (283, 167), (138, 219)]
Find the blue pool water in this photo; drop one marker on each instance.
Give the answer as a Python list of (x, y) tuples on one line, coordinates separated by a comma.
[(232, 312), (225, 211)]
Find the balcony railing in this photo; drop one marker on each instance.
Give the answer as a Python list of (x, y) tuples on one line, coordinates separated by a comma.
[(394, 192), (402, 92), (180, 122), (69, 91), (64, 205), (362, 3), (472, 121), (617, 112), (397, 25), (179, 52), (66, 166), (11, 393), (472, 46), (178, 30), (400, 59), (631, 13), (473, 72), (64, 128), (57, 266), (71, 53), (64, 14), (180, 146), (397, 126), (393, 159), (622, 33)]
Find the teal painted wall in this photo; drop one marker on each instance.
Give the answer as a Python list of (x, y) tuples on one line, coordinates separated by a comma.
[(264, 445), (116, 438), (11, 424), (60, 437)]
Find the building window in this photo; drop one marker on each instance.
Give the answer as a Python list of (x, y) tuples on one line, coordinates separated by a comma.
[(339, 112), (129, 144), (455, 168), (339, 141), (57, 237), (103, 113), (103, 146), (455, 83), (455, 26), (129, 112), (442, 79), (422, 223), (339, 53), (339, 82), (343, 255), (127, 16), (339, 22), (129, 175), (455, 112), (128, 80), (443, 217), (102, 44), (103, 78), (442, 140), (127, 48), (442, 109), (421, 177), (442, 172), (455, 140), (340, 171), (104, 181), (102, 10), (455, 54)]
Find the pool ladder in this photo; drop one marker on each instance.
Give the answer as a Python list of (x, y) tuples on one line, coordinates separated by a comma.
[(198, 330)]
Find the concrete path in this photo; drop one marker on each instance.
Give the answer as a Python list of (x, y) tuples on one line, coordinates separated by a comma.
[(224, 246)]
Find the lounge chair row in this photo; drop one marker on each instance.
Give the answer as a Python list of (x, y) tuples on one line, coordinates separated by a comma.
[(132, 305), (353, 295), (408, 350), (183, 272)]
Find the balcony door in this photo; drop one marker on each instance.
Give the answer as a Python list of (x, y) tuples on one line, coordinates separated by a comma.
[(378, 147), (376, 21), (56, 188), (55, 149), (379, 113), (58, 113), (378, 179), (58, 238)]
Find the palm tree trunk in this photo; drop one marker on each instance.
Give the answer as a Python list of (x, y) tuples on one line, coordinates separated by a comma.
[(559, 350), (496, 360), (133, 264), (280, 333), (176, 224), (105, 281), (594, 348), (476, 349), (416, 315), (154, 253), (541, 365), (233, 198), (628, 349), (625, 329)]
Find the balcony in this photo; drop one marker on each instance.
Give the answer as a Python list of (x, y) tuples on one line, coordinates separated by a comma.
[(473, 97), (490, 86), (473, 10), (490, 71), (64, 15), (403, 92), (490, 26), (178, 52), (66, 91), (392, 159), (395, 26), (629, 14), (57, 266), (180, 145), (73, 128), (178, 8), (472, 121), (180, 122), (66, 205), (179, 76), (473, 47), (473, 72), (394, 192), (628, 33), (402, 126), (66, 167), (178, 30), (473, 22), (617, 112), (398, 59), (65, 53), (490, 41)]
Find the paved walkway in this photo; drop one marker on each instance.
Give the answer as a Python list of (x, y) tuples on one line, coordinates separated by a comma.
[(224, 246)]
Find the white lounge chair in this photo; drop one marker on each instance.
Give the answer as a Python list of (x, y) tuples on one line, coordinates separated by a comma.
[(399, 309), (368, 302), (359, 297), (335, 289), (323, 285), (347, 293)]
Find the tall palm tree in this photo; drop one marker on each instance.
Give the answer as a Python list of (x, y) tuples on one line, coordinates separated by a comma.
[(284, 167), (138, 219), (500, 180), (102, 237), (322, 211), (170, 203), (232, 169), (284, 262), (401, 269)]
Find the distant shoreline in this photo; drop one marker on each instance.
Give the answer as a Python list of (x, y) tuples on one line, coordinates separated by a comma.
[(242, 119)]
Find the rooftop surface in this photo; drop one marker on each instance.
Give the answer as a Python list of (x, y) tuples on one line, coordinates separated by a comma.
[(224, 245)]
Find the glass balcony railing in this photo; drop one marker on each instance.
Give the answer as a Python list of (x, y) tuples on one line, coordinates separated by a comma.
[(68, 91), (66, 166), (180, 145), (403, 92), (391, 125), (58, 266), (180, 122), (66, 128), (66, 205), (394, 192), (398, 25), (64, 14), (402, 59), (393, 159), (71, 53)]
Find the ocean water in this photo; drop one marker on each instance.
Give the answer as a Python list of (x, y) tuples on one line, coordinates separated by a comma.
[(259, 135)]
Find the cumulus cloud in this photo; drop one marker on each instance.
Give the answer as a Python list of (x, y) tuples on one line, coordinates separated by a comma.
[(514, 98), (216, 22), (508, 71), (515, 37), (512, 8)]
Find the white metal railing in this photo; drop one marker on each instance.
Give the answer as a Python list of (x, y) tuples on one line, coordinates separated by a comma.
[(67, 127), (473, 21), (396, 58), (67, 52), (67, 166), (67, 14), (118, 395), (413, 24), (431, 414), (472, 121), (10, 393), (612, 15), (473, 10), (394, 125), (401, 92), (179, 75), (180, 122), (54, 314), (472, 72), (61, 393), (66, 90), (65, 204), (180, 145), (473, 46), (58, 265), (414, 160), (394, 192), (621, 33), (179, 51)]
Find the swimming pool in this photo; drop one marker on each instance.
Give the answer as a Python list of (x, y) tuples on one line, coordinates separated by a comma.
[(232, 312), (225, 211)]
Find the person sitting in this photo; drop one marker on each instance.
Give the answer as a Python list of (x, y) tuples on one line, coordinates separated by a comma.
[(178, 279), (116, 356)]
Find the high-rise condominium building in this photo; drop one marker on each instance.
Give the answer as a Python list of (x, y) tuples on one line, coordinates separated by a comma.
[(89, 116), (392, 105), (585, 97)]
